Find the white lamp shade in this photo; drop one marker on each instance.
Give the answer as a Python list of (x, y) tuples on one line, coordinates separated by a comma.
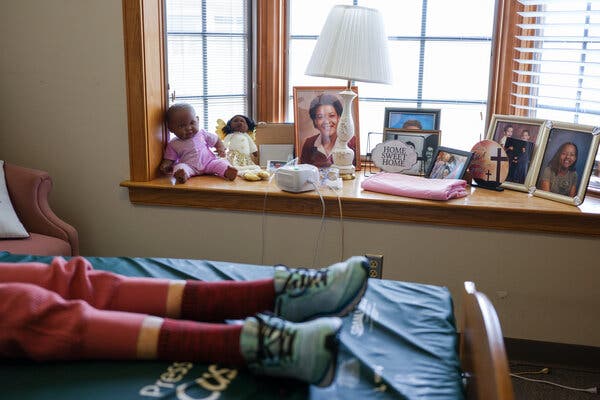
[(352, 46)]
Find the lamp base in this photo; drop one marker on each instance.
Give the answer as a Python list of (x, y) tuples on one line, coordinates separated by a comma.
[(343, 156), (346, 168)]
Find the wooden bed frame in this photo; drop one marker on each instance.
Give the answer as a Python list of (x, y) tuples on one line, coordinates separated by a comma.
[(482, 354)]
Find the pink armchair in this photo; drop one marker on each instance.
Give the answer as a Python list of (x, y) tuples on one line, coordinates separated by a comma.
[(49, 235)]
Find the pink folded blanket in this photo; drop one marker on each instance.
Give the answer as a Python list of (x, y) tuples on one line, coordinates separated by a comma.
[(415, 186)]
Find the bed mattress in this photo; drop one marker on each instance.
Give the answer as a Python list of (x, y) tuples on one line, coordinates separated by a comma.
[(400, 343)]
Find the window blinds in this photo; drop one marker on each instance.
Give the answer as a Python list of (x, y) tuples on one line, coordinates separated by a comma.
[(208, 57), (557, 64)]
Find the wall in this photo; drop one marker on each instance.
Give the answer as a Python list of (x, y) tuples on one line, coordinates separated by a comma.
[(62, 96)]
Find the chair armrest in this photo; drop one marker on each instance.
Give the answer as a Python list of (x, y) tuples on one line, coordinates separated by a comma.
[(482, 354), (28, 190)]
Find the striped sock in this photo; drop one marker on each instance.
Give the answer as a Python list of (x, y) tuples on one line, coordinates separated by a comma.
[(202, 342), (217, 301)]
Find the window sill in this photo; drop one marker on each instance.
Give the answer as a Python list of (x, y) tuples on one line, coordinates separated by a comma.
[(507, 210)]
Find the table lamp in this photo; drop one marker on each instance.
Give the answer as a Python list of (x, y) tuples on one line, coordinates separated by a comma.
[(352, 46)]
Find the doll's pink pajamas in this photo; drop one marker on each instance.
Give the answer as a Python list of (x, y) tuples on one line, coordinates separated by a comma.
[(195, 157)]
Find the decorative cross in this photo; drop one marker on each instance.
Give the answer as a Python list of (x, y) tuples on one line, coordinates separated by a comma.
[(498, 158), (488, 175)]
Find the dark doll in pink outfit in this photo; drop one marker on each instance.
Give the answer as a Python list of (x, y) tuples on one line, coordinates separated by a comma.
[(190, 154)]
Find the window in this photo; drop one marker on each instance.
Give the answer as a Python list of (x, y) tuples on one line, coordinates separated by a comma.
[(557, 55), (208, 48), (440, 59), (146, 86)]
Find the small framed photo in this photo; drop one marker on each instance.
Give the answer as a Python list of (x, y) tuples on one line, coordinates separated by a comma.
[(520, 137), (317, 112), (563, 169), (412, 118), (273, 165), (425, 143), (449, 163)]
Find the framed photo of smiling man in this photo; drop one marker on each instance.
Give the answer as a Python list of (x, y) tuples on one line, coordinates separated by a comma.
[(317, 112), (563, 171)]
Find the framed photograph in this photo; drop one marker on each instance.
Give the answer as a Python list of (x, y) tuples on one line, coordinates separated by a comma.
[(425, 143), (317, 112), (449, 163), (563, 169), (520, 138), (273, 165), (412, 118)]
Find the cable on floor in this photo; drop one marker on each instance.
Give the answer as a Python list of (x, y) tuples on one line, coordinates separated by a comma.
[(546, 371)]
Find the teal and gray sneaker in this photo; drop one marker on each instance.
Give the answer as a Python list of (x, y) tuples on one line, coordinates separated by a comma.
[(306, 351), (302, 294)]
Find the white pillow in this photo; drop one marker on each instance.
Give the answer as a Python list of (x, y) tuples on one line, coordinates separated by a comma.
[(10, 226)]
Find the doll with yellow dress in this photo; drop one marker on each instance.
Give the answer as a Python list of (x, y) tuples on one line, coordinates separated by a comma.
[(238, 137)]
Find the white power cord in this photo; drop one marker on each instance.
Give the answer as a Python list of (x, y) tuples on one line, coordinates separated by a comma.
[(545, 371), (316, 251), (264, 221), (339, 199), (318, 239)]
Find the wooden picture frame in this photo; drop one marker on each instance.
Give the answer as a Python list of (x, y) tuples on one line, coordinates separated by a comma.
[(563, 142), (412, 118), (519, 132), (425, 143), (308, 132), (453, 161)]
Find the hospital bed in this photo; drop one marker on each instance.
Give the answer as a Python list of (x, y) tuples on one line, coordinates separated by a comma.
[(401, 342)]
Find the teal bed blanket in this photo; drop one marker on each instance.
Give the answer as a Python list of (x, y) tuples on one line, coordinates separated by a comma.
[(400, 343)]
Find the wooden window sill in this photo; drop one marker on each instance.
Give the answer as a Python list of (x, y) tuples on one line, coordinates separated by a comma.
[(510, 210)]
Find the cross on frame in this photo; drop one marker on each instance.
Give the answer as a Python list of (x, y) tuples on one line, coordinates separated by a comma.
[(488, 175), (498, 158)]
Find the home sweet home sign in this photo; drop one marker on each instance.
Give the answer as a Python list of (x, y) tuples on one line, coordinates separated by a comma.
[(394, 156)]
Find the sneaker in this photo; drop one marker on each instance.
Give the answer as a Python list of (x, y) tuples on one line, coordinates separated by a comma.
[(302, 294), (306, 351)]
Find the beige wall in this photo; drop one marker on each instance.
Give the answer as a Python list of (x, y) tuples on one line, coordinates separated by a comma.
[(62, 96)]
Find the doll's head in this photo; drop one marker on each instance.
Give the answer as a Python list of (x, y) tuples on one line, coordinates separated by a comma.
[(182, 120), (239, 123)]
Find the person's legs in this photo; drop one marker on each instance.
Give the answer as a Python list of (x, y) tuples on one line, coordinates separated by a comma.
[(197, 300), (294, 294), (38, 324)]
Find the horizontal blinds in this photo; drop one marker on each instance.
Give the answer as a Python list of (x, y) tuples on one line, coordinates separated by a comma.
[(557, 64), (208, 57)]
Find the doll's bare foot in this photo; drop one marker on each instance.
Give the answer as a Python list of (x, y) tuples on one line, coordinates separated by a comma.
[(231, 173), (180, 176), (250, 176), (264, 175)]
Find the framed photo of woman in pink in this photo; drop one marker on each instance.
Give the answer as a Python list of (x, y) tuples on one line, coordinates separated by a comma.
[(317, 112)]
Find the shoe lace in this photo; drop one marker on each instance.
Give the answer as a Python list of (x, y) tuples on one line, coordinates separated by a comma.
[(299, 280), (275, 340)]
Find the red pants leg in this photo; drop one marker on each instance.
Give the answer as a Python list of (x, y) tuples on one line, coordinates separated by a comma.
[(39, 324), (197, 300)]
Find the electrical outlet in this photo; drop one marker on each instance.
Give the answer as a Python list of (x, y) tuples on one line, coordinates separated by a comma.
[(375, 265)]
